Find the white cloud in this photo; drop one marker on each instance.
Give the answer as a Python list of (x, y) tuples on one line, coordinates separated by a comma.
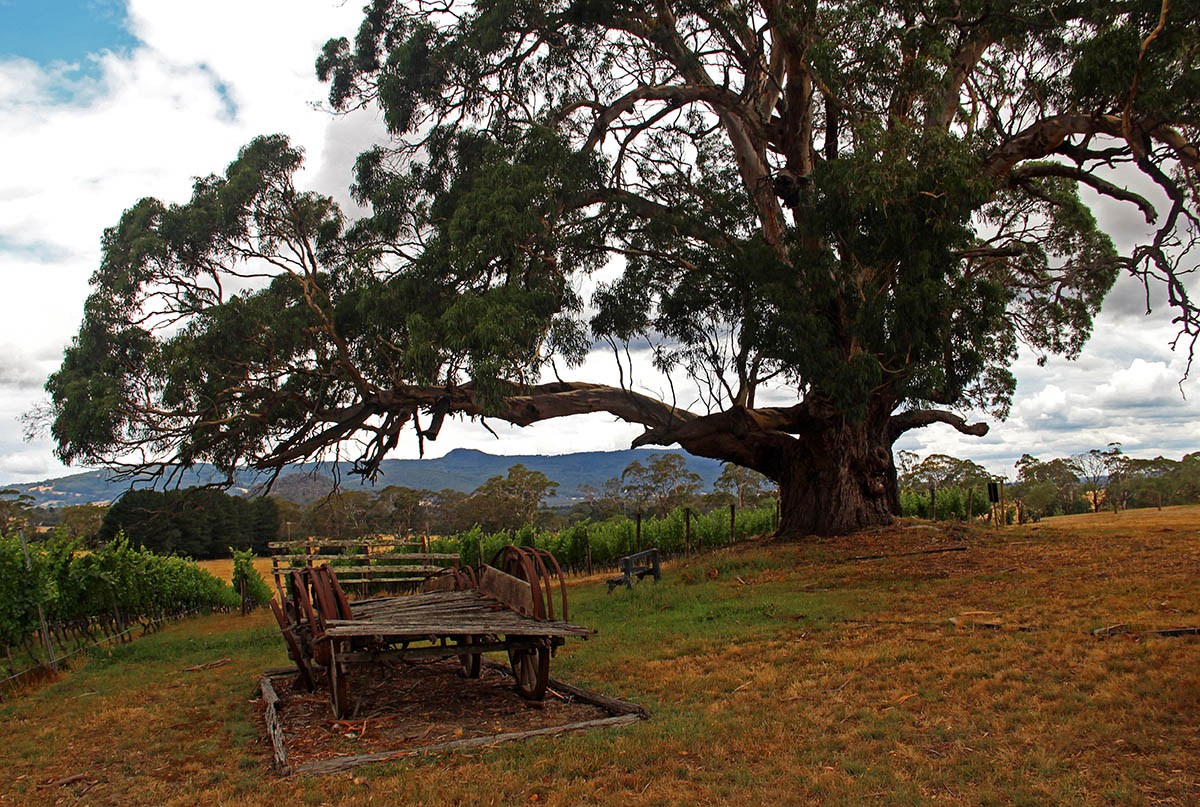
[(1141, 384), (29, 465), (148, 121), (1067, 407)]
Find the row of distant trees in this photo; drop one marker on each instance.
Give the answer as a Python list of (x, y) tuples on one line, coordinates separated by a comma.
[(656, 486), (946, 486), (204, 522), (17, 511), (196, 522)]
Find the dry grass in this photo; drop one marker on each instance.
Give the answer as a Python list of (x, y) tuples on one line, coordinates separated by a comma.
[(784, 674), (223, 568)]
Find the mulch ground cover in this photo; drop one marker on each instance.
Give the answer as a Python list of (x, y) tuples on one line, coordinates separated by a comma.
[(410, 705)]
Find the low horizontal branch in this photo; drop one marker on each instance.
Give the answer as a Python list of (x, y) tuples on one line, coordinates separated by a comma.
[(916, 418)]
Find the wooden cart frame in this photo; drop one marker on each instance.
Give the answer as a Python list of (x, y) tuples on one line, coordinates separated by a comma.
[(507, 606)]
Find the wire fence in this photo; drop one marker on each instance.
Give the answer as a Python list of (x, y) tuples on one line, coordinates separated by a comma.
[(54, 658)]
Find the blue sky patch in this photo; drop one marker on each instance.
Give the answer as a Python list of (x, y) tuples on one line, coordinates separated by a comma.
[(36, 251), (48, 31)]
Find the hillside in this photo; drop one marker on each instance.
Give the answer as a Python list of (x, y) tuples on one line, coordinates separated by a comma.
[(1013, 667), (461, 469)]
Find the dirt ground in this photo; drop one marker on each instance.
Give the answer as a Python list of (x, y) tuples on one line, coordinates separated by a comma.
[(407, 705)]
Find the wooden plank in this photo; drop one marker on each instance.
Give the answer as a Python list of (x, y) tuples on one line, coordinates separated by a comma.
[(345, 763), (1175, 632), (373, 579), (436, 651), (360, 556), (455, 627), (516, 594), (416, 608), (409, 614), (417, 602), (274, 729), (906, 554), (306, 543), (338, 570)]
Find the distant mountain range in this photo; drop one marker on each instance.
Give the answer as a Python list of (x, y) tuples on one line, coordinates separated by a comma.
[(462, 469)]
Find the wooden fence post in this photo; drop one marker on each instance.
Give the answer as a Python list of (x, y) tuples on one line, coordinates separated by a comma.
[(275, 573), (638, 540), (687, 531), (366, 583), (1003, 512), (933, 502), (587, 545), (732, 522)]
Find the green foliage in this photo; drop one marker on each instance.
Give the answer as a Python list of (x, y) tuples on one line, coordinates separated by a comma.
[(940, 470), (662, 484), (21, 591), (14, 510), (951, 503), (1048, 487), (612, 538), (114, 582), (244, 573), (511, 500), (742, 486), (198, 522)]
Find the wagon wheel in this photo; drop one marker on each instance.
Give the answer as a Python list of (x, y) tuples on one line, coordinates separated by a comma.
[(293, 646), (555, 571), (520, 563), (314, 619), (531, 669)]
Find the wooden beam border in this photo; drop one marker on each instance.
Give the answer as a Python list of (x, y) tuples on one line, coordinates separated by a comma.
[(621, 713)]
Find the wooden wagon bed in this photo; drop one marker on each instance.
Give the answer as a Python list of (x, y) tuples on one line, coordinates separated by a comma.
[(462, 612), (444, 614)]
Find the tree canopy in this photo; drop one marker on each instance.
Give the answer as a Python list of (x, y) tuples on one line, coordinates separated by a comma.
[(198, 522), (862, 206)]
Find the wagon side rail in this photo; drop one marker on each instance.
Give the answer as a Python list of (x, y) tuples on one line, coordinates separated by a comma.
[(360, 563)]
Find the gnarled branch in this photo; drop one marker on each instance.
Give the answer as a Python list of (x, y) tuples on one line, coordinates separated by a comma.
[(1095, 182), (916, 418)]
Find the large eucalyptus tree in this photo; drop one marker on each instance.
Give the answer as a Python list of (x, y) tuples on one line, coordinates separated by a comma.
[(862, 206)]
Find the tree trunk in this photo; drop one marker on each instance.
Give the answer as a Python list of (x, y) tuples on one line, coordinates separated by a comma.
[(838, 480)]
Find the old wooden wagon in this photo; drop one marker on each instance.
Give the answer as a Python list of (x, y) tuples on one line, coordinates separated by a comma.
[(507, 606)]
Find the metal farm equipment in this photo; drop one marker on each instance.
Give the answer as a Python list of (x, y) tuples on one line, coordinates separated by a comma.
[(507, 606)]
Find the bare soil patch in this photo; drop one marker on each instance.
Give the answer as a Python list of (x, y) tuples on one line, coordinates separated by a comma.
[(408, 706)]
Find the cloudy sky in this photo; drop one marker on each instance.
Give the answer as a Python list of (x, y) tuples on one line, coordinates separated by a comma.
[(103, 102)]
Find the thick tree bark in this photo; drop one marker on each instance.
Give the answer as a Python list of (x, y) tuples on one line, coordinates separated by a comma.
[(838, 480)]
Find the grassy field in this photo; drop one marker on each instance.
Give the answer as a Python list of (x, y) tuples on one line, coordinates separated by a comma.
[(777, 674)]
